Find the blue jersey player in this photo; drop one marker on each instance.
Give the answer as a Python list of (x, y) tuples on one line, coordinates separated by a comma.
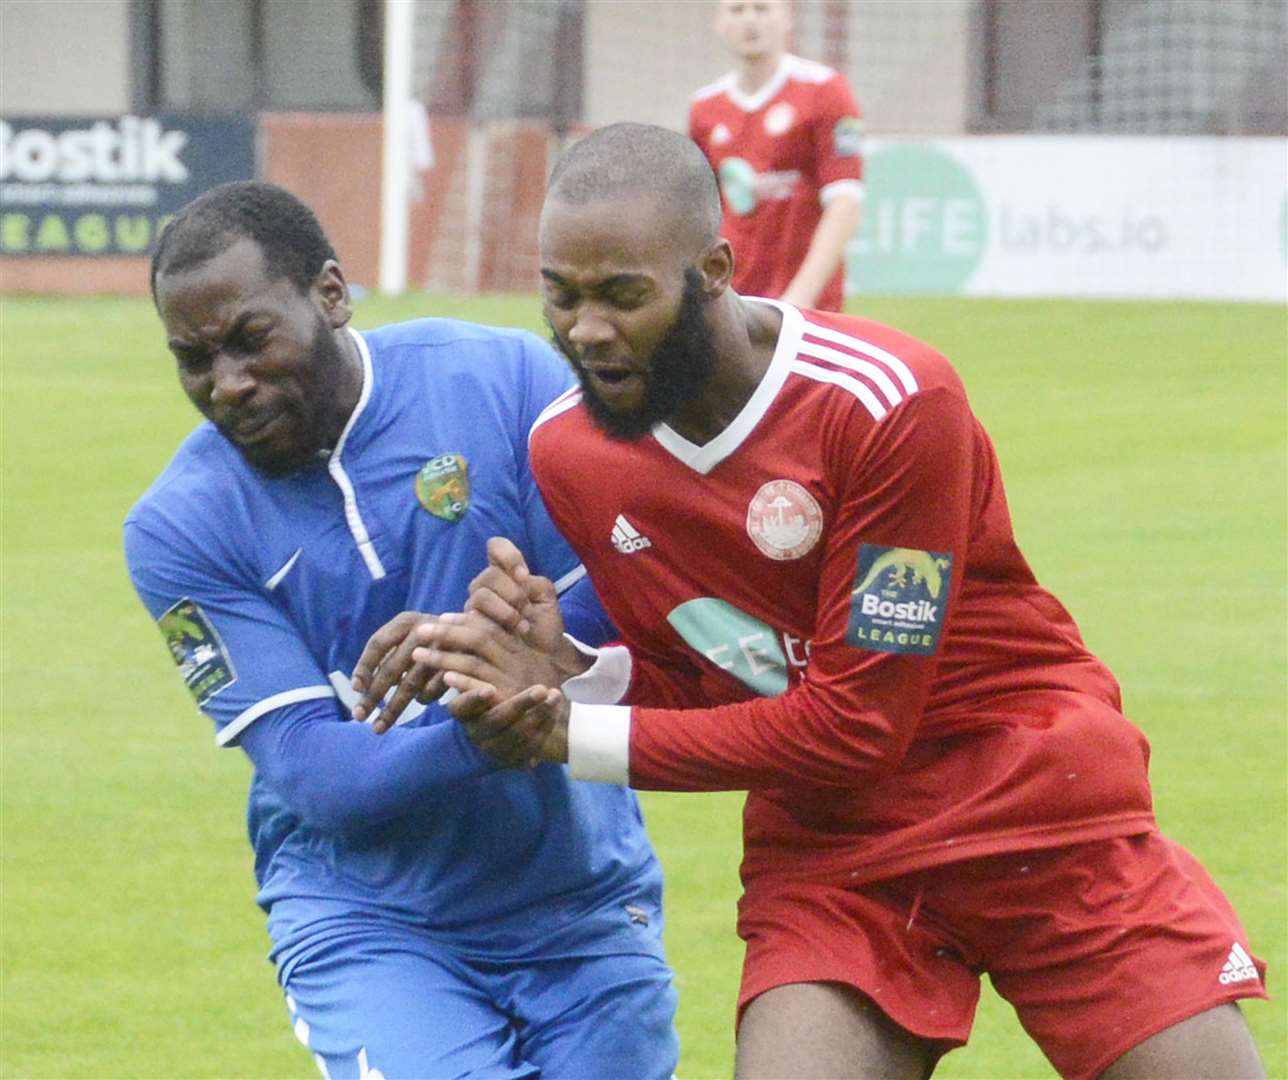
[(430, 915)]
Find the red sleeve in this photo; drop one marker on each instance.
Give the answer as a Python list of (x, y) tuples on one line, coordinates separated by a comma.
[(838, 134), (907, 485), (670, 685)]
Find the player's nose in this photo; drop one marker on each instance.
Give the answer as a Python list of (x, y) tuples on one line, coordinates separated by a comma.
[(231, 381), (590, 329)]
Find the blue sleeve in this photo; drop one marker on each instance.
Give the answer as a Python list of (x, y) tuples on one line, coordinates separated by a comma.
[(252, 674), (337, 775), (584, 616), (239, 656)]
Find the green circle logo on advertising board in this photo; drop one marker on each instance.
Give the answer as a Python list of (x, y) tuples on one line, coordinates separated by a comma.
[(924, 223)]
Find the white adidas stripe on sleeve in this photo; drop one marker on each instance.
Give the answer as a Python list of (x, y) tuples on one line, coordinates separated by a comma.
[(846, 382), (897, 367), (872, 372)]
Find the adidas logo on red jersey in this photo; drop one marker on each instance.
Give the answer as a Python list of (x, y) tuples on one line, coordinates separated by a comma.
[(626, 537), (1239, 967)]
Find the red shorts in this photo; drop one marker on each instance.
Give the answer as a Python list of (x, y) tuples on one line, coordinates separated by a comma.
[(1098, 946)]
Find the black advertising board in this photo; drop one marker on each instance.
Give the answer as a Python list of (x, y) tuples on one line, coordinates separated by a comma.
[(106, 185)]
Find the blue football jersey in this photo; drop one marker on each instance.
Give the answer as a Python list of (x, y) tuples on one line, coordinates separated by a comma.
[(267, 589)]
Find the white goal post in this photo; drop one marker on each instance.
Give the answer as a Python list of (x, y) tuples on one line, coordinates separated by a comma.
[(400, 16)]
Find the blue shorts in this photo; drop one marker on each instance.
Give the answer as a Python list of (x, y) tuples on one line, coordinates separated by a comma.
[(391, 1003)]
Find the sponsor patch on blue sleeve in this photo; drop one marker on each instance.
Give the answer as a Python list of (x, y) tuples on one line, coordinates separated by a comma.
[(197, 649), (899, 599), (847, 137)]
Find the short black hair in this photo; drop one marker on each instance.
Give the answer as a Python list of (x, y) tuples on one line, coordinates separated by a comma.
[(642, 159), (287, 232)]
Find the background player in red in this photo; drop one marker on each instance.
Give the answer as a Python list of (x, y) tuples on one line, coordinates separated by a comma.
[(784, 136), (807, 550)]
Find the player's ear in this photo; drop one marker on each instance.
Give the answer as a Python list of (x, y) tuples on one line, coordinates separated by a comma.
[(716, 267), (332, 293)]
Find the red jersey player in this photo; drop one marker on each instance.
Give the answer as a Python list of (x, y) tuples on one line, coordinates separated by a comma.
[(806, 546), (783, 135)]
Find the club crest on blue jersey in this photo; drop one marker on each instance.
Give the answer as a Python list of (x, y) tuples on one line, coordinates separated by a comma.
[(197, 649), (443, 487), (899, 599)]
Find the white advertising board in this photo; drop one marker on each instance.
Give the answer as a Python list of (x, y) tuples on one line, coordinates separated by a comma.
[(1078, 216)]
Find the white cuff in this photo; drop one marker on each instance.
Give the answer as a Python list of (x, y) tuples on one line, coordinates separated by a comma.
[(606, 681), (599, 743), (853, 188)]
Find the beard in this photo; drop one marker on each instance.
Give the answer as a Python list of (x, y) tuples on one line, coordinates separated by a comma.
[(678, 371), (312, 424)]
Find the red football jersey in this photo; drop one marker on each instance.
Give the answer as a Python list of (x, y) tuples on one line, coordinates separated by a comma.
[(780, 154), (825, 605)]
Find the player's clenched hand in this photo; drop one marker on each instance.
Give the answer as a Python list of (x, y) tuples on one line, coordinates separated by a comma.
[(387, 661), (513, 597), (472, 645), (519, 732)]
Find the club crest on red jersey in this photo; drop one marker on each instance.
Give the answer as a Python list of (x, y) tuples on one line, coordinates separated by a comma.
[(899, 599), (779, 118), (784, 520)]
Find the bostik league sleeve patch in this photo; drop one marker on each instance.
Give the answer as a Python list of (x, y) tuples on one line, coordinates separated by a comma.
[(197, 649), (847, 137), (899, 599)]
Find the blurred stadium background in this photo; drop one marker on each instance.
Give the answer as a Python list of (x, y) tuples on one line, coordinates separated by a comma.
[(1083, 202)]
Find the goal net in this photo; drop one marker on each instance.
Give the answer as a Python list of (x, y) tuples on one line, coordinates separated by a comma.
[(506, 82)]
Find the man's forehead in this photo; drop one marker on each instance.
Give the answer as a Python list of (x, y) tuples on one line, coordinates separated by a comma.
[(627, 234), (238, 259), (217, 290), (630, 211)]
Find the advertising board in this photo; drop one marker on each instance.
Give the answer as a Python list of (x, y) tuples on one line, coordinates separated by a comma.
[(95, 185), (1076, 216)]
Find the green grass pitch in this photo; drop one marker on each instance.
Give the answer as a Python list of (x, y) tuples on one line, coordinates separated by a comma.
[(1143, 445)]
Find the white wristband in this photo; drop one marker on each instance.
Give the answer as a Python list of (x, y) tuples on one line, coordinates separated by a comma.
[(852, 188), (599, 743)]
